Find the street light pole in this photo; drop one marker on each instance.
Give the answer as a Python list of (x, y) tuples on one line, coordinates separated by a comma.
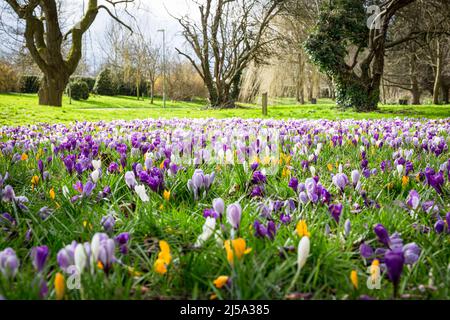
[(164, 65)]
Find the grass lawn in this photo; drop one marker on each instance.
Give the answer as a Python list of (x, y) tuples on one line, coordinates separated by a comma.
[(18, 109)]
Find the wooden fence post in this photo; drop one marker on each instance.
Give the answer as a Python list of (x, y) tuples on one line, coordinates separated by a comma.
[(264, 104)]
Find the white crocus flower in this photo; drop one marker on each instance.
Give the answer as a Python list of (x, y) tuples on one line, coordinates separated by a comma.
[(400, 169), (140, 190), (313, 171), (303, 252), (80, 258), (95, 175), (97, 164), (208, 230)]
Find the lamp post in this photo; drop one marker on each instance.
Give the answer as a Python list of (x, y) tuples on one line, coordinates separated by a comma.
[(164, 65)]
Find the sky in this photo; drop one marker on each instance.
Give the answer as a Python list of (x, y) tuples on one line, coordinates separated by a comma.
[(150, 15)]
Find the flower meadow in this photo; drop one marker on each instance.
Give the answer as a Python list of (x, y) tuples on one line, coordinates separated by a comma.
[(226, 209)]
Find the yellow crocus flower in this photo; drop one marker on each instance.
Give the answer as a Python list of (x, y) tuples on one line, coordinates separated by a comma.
[(52, 194), (164, 254), (166, 195), (35, 180), (354, 278), (302, 229), (405, 181), (160, 267), (220, 281), (237, 247), (60, 286), (24, 157)]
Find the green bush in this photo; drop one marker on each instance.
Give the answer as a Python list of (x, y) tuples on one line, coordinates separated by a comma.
[(29, 84), (89, 81), (104, 85), (79, 90)]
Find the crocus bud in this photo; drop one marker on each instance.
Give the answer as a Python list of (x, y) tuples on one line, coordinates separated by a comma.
[(130, 179), (411, 253), (439, 226), (382, 234), (106, 254), (219, 206), (413, 199), (303, 197), (9, 264), (347, 227), (366, 251), (293, 183), (207, 231), (234, 213), (108, 223), (340, 180), (140, 190), (394, 261), (39, 257), (335, 211), (303, 252), (80, 258), (355, 177)]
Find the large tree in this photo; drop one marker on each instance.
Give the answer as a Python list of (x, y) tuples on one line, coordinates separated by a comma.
[(228, 36), (349, 46), (44, 40)]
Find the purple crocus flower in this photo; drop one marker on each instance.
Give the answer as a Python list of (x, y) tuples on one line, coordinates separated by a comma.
[(260, 229), (355, 177), (106, 254), (210, 213), (411, 253), (293, 184), (394, 261), (108, 223), (382, 234), (258, 177), (66, 256), (88, 188), (335, 211), (234, 214), (41, 167), (113, 167), (8, 194), (311, 189), (130, 179), (447, 219), (122, 241), (413, 200), (219, 206), (257, 191), (439, 226), (340, 180), (366, 251), (9, 264), (285, 218), (45, 212), (39, 257)]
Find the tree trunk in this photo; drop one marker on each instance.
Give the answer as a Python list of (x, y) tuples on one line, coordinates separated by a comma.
[(437, 80), (52, 88), (300, 81), (445, 94), (152, 90)]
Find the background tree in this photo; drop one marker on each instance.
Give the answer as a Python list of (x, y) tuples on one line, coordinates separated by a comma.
[(230, 34), (351, 51), (44, 40)]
